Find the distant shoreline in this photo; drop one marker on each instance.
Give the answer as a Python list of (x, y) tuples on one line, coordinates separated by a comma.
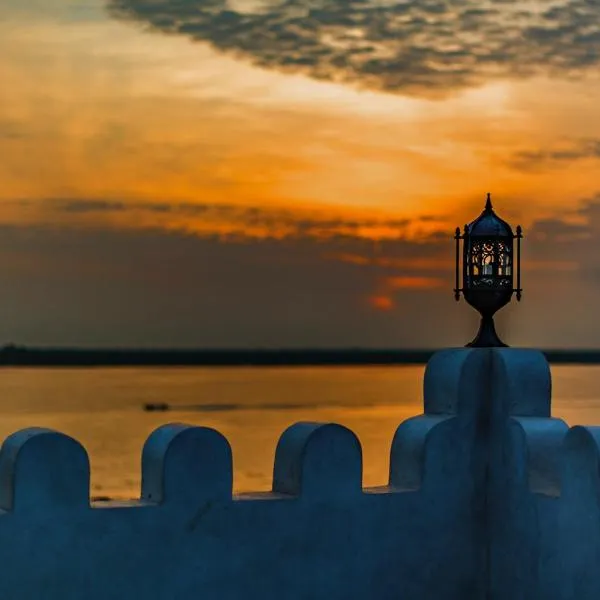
[(18, 356)]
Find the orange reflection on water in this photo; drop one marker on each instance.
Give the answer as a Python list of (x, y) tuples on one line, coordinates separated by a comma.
[(102, 408)]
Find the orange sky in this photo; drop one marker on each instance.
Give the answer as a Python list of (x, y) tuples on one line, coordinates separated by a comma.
[(101, 110), (106, 125)]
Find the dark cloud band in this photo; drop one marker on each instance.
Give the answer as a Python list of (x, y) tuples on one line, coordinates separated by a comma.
[(533, 160), (417, 47), (271, 221)]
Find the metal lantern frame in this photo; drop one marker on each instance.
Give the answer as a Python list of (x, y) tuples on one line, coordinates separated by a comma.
[(488, 270)]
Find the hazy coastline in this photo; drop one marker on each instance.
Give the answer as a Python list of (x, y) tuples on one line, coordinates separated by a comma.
[(12, 356)]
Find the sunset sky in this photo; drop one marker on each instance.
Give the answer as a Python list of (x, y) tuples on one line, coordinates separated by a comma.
[(264, 173)]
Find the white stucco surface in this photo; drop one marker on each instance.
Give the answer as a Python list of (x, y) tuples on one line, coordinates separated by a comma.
[(488, 497)]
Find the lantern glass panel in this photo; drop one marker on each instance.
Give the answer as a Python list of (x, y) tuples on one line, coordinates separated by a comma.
[(489, 263)]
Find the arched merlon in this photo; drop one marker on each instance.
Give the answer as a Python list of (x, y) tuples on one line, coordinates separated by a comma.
[(581, 464), (185, 465), (537, 444), (454, 380), (521, 382), (409, 450), (42, 470), (316, 460), (459, 380)]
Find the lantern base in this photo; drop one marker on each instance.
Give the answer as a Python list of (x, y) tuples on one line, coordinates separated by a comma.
[(487, 336)]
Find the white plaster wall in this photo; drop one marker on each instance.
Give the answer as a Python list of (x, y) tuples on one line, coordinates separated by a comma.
[(317, 535), (488, 498)]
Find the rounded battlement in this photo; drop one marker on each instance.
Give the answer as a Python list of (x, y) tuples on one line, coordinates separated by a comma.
[(182, 464), (41, 470), (315, 459)]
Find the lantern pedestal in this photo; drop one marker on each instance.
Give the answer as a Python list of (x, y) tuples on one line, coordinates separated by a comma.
[(486, 336)]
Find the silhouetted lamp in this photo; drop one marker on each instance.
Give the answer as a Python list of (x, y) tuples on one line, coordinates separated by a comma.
[(488, 270)]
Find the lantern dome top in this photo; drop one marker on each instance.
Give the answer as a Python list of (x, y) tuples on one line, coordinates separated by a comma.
[(489, 224)]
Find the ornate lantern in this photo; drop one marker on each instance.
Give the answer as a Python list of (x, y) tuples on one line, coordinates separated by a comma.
[(488, 270)]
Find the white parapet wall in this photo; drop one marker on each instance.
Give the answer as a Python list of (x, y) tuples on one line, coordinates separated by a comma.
[(488, 498)]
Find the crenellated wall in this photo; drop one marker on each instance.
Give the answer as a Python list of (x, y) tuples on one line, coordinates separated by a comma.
[(488, 498)]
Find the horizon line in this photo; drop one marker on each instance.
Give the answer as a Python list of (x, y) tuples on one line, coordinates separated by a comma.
[(23, 356)]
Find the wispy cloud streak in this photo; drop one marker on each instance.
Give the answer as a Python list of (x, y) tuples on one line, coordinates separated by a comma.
[(565, 153), (231, 219)]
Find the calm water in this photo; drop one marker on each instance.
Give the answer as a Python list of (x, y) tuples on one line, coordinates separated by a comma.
[(102, 408)]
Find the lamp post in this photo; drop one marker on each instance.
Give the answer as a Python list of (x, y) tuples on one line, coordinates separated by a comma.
[(488, 270)]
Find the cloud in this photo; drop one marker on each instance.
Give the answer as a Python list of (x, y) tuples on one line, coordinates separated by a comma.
[(158, 288), (236, 220), (567, 244), (380, 302), (559, 231), (418, 47), (415, 282), (91, 206), (532, 160), (11, 130), (68, 285)]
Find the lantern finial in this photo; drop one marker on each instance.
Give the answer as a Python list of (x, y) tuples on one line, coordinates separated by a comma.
[(488, 202)]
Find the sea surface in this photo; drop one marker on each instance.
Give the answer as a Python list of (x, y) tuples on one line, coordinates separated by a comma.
[(103, 409)]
